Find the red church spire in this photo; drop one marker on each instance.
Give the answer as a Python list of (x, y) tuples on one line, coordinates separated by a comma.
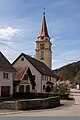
[(44, 31)]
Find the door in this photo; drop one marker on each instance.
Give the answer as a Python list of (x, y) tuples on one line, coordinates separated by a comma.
[(5, 91), (21, 88), (27, 88)]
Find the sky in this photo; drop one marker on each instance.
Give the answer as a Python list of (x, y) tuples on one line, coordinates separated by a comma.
[(20, 25)]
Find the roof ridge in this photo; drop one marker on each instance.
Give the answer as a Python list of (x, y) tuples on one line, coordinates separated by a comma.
[(37, 60)]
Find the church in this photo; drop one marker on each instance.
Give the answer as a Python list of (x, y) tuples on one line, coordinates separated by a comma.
[(35, 74)]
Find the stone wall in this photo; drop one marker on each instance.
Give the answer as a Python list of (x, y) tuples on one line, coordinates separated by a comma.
[(10, 105), (30, 104)]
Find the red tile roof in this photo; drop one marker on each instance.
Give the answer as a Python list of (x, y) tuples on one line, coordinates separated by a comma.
[(20, 71)]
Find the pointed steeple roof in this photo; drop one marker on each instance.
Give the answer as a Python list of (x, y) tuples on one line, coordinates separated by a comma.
[(44, 31)]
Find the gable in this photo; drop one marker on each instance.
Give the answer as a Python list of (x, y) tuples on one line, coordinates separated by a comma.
[(22, 74), (39, 66), (20, 63)]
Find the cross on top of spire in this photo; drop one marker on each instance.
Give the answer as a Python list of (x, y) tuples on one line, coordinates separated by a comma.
[(44, 11)]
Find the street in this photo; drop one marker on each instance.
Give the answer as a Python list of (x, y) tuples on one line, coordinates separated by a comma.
[(68, 109)]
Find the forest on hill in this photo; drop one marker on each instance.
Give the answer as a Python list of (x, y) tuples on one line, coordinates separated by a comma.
[(69, 72)]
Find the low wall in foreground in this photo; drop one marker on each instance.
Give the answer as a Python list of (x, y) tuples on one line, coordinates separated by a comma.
[(29, 104)]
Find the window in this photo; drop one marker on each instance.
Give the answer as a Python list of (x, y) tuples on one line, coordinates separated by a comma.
[(43, 87), (5, 75), (42, 37), (50, 78), (42, 77), (22, 59), (42, 55)]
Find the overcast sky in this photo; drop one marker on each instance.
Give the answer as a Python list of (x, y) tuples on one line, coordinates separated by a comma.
[(20, 25)]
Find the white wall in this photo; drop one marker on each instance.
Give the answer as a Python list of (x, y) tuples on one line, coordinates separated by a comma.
[(33, 71), (6, 82), (45, 81)]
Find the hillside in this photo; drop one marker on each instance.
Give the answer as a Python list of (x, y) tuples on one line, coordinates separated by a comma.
[(69, 72)]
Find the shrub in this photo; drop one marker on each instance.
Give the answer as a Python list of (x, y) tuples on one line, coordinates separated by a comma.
[(31, 95), (64, 96)]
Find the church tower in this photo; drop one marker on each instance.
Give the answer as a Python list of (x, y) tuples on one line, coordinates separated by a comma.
[(43, 45)]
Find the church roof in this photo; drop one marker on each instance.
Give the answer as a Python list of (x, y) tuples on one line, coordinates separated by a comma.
[(41, 67), (5, 65), (44, 31)]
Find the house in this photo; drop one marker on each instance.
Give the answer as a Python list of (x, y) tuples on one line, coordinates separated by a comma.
[(42, 77), (6, 77)]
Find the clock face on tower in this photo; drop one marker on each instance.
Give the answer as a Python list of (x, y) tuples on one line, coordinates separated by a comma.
[(42, 46)]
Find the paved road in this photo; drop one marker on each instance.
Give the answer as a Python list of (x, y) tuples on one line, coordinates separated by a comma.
[(68, 109)]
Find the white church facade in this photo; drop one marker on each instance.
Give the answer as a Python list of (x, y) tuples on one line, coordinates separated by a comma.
[(41, 76)]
